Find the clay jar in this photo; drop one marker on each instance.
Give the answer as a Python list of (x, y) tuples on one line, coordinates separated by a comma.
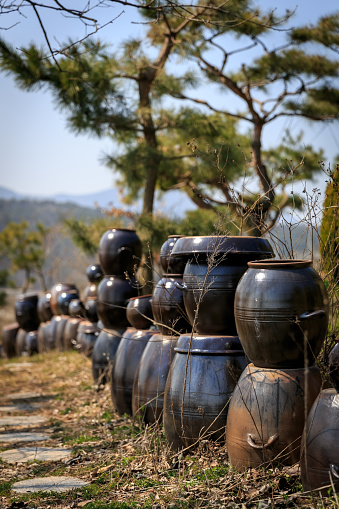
[(130, 349), (44, 307), (139, 312), (76, 309), (87, 335), (64, 300), (281, 307), (170, 264), (119, 251), (90, 292), (151, 376), (20, 343), (70, 332), (266, 415), (320, 448), (56, 290), (168, 305), (214, 267), (201, 380), (94, 273), (114, 293), (26, 311), (104, 352), (9, 333)]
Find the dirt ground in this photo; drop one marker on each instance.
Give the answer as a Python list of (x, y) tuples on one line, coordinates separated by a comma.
[(125, 464)]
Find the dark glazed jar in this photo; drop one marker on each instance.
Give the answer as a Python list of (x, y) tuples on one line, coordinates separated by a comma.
[(279, 307), (94, 273), (70, 332), (26, 311), (64, 300), (114, 293), (9, 333), (91, 310), (139, 312), (60, 321), (90, 292), (151, 376), (104, 352), (76, 309), (56, 290), (320, 447), (170, 264), (32, 343), (119, 251), (266, 415), (87, 334), (130, 349), (198, 388), (168, 305), (213, 270), (44, 307), (20, 343)]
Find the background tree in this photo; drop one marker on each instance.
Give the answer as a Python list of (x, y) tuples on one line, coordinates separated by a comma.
[(24, 250), (329, 232)]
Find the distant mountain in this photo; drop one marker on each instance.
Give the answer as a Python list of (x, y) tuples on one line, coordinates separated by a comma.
[(172, 203)]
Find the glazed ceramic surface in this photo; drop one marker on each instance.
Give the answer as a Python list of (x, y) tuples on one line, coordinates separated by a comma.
[(56, 290), (119, 251), (104, 351), (168, 305), (139, 312), (151, 376), (87, 335), (44, 307), (170, 264), (201, 380), (70, 332), (113, 295), (94, 273), (126, 361), (281, 307), (90, 291), (266, 415), (9, 333), (26, 311), (320, 447)]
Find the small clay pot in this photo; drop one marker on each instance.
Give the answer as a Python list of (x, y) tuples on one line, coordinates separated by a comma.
[(139, 312), (119, 251), (76, 309), (64, 300), (26, 311), (9, 333), (126, 360), (171, 264), (114, 293), (94, 273)]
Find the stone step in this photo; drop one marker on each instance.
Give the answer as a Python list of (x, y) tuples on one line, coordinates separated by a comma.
[(57, 483)]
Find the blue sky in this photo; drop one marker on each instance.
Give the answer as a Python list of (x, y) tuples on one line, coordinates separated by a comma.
[(40, 156)]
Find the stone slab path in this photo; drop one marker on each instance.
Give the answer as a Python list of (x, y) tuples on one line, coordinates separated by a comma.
[(22, 420), (19, 365), (22, 437), (25, 454), (60, 483), (24, 396)]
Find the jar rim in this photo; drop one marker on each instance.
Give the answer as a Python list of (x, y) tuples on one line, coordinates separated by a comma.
[(279, 264)]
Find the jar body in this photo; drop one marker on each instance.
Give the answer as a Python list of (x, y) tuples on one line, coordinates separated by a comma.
[(119, 251)]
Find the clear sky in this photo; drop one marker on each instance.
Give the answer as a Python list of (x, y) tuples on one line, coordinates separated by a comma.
[(40, 156)]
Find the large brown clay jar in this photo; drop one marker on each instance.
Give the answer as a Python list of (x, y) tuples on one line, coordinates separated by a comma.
[(125, 364), (266, 415), (26, 311), (281, 313), (201, 380), (151, 376), (320, 447), (104, 351), (119, 251)]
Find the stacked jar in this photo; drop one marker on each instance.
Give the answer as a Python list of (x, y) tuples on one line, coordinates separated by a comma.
[(119, 256), (171, 320), (281, 313), (209, 361), (26, 337)]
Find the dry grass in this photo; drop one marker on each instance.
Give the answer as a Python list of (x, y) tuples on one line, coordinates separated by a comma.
[(126, 464)]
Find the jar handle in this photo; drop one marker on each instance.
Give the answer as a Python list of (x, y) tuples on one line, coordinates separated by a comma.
[(180, 286), (334, 470), (312, 314), (270, 441)]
